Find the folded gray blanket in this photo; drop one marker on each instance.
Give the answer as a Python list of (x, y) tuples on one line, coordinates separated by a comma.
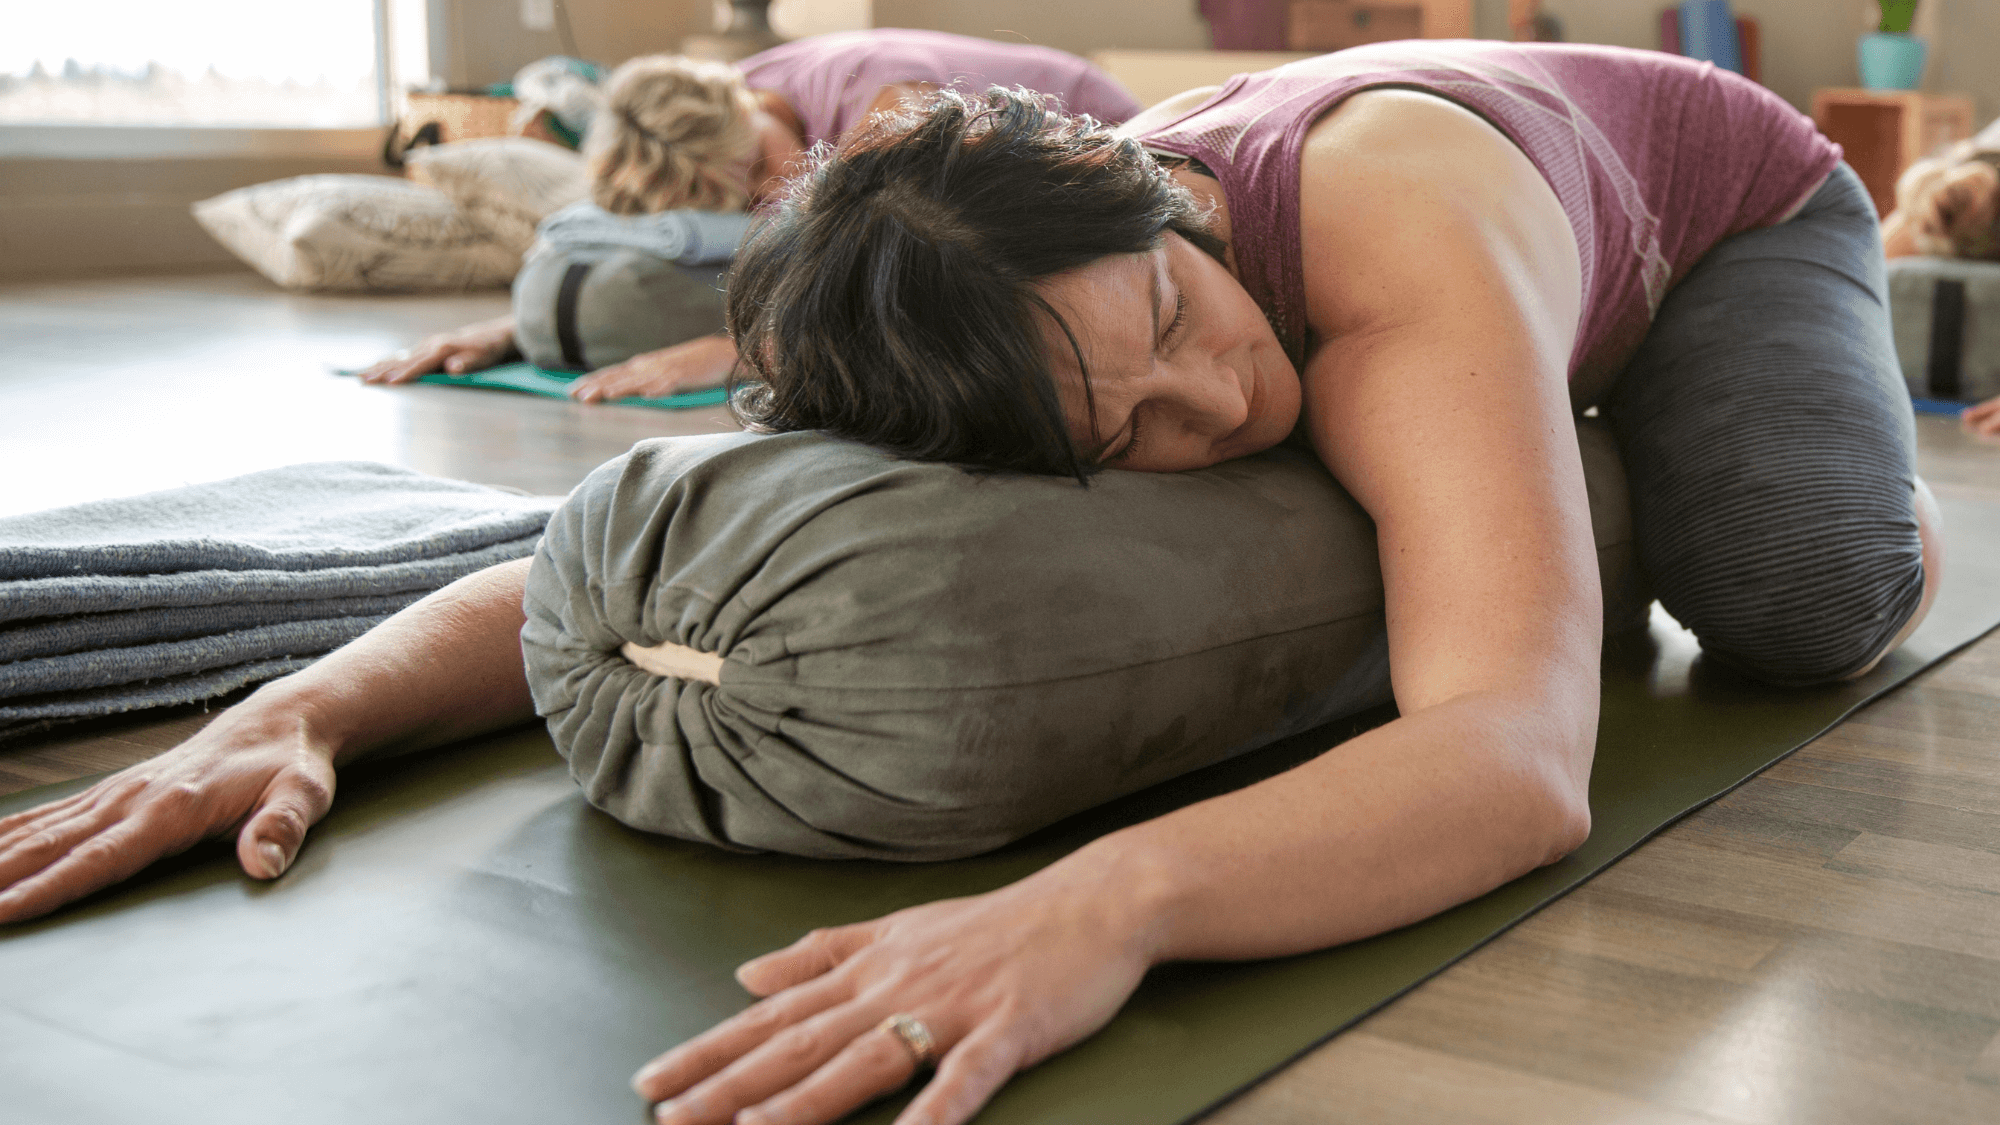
[(42, 713), (61, 635), (182, 595), (301, 517), (96, 593)]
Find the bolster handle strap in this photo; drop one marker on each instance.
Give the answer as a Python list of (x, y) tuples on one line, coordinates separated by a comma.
[(675, 661)]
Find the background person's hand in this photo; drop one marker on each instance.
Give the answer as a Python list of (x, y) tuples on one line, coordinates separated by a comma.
[(265, 781), (704, 361), (471, 348), (1982, 420), (1002, 980)]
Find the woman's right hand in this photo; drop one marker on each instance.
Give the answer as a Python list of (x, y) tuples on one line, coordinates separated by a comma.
[(260, 775), (471, 348)]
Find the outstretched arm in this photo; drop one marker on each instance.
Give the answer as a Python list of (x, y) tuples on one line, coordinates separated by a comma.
[(445, 668)]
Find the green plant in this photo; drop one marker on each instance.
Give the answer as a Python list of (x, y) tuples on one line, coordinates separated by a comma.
[(1897, 15)]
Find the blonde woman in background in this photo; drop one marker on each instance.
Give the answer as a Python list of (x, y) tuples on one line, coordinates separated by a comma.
[(679, 134), (1949, 207)]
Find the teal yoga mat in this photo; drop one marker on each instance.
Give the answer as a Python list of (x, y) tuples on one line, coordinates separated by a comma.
[(528, 378), (465, 940)]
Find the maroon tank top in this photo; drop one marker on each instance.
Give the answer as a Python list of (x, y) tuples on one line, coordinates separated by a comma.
[(1654, 157)]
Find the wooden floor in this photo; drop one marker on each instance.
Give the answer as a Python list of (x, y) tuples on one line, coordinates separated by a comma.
[(1822, 946)]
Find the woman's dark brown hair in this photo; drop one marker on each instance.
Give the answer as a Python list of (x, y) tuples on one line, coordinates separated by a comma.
[(890, 297)]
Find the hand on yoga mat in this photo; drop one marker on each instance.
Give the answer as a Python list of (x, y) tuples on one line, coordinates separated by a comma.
[(1001, 980), (471, 348), (267, 783), (1982, 420), (701, 362)]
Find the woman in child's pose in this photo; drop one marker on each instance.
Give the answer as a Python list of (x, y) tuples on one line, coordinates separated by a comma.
[(676, 133), (1421, 258)]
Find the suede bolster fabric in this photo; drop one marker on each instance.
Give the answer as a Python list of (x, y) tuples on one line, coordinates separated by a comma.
[(920, 663)]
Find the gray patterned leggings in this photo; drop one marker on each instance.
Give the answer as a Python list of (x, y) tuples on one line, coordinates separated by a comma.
[(1770, 447)]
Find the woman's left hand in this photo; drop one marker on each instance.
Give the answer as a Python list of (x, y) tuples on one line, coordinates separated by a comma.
[(704, 361), (1002, 981)]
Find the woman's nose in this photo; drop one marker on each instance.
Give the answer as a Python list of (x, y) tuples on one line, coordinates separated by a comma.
[(1209, 397)]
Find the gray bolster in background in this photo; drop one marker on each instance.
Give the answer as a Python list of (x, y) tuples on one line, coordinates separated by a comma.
[(1946, 316), (922, 663), (582, 309)]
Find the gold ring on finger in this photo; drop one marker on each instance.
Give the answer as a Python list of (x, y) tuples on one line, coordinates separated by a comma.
[(915, 1036)]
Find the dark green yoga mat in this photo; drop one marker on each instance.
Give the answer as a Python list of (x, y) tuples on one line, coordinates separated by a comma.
[(465, 940), (528, 378)]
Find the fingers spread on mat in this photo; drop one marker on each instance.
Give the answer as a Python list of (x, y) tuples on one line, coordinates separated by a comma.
[(471, 348), (709, 1053), (689, 366), (817, 953), (274, 785)]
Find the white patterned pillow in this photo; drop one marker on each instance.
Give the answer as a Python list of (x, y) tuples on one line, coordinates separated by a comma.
[(348, 233), (504, 185)]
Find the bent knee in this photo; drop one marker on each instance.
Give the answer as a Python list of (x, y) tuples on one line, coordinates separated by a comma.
[(1823, 609), (1930, 532)]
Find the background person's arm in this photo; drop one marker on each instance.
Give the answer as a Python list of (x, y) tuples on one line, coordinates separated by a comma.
[(892, 96), (1442, 271), (471, 348), (445, 668)]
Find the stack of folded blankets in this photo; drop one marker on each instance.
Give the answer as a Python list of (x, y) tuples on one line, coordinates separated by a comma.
[(178, 596)]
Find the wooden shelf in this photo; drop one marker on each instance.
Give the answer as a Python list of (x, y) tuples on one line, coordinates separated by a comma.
[(1885, 131)]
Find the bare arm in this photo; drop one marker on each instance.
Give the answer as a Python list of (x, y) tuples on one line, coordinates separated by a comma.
[(443, 669), (1442, 275), (894, 95)]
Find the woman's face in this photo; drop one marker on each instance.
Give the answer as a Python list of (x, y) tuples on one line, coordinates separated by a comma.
[(1185, 372)]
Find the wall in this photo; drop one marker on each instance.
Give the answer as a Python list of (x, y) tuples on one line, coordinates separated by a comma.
[(486, 42), (81, 217), (1810, 43)]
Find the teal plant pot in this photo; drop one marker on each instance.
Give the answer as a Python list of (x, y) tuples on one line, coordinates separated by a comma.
[(1892, 62)]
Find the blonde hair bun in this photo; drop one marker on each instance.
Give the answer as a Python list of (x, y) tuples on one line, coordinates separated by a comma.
[(675, 133), (1952, 203)]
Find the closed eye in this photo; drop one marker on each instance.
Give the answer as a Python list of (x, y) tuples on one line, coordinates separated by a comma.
[(1180, 317), (1131, 444)]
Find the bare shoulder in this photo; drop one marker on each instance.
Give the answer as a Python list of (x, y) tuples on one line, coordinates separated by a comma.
[(1158, 114), (1401, 191), (1390, 127)]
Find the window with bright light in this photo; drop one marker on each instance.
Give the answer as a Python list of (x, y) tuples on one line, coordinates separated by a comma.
[(257, 63)]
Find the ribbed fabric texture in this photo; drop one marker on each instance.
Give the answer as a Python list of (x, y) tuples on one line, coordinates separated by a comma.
[(1769, 444), (177, 596)]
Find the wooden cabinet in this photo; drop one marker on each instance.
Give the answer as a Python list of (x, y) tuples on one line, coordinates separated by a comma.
[(1885, 131)]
